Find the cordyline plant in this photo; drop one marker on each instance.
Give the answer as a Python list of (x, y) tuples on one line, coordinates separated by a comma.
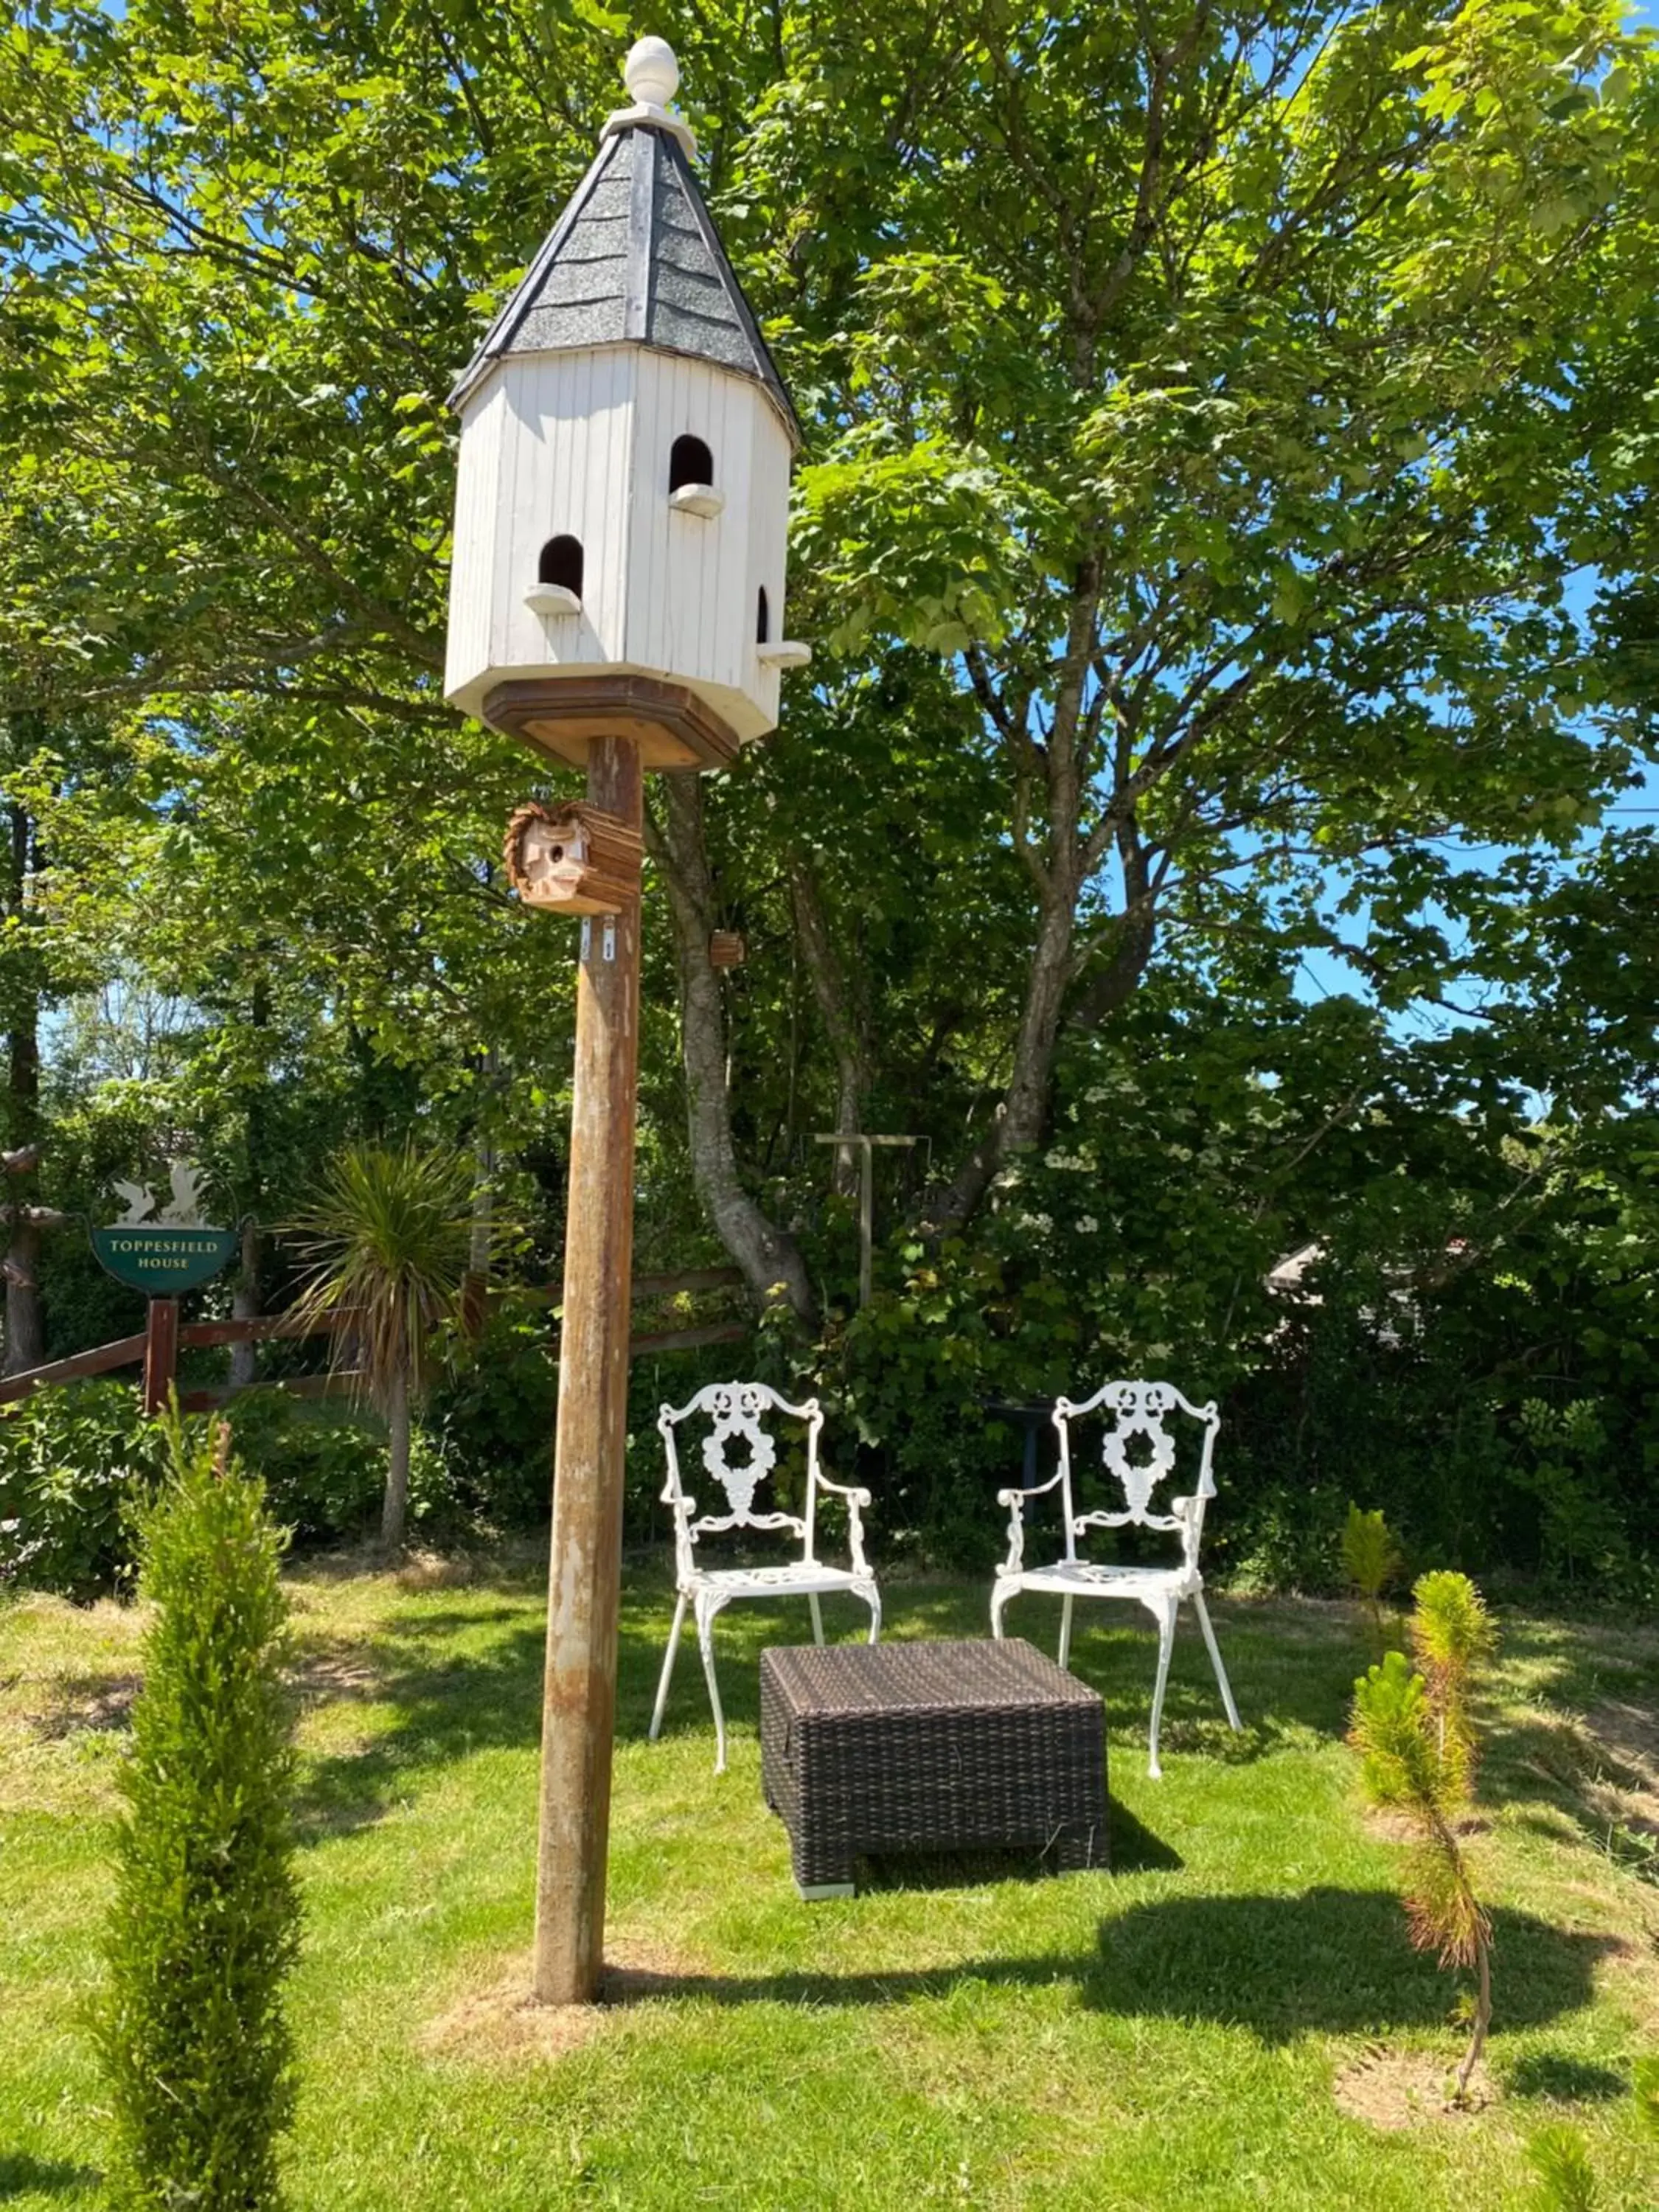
[(388, 1243), (205, 1923), (1417, 1744), (1370, 1559)]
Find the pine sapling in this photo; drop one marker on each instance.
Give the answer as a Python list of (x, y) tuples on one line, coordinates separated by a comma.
[(1370, 1559), (1560, 2156), (1451, 1633), (205, 1924), (1417, 1757)]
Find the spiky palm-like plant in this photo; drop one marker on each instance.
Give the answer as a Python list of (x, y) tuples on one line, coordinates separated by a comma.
[(387, 1244), (1416, 1741)]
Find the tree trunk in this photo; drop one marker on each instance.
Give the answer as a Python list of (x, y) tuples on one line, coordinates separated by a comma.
[(1022, 1114), (245, 1306), (769, 1256), (395, 1509), (245, 1297), (25, 1332), (475, 1290), (1482, 2019), (840, 1023), (1056, 772), (26, 1335)]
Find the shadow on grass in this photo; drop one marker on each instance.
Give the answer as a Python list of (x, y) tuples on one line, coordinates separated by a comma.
[(23, 2176), (1331, 1962), (1568, 2080)]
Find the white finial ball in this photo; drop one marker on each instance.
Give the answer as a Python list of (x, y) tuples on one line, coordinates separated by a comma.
[(651, 72)]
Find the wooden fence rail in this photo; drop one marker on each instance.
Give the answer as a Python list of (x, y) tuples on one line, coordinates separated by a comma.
[(129, 1351)]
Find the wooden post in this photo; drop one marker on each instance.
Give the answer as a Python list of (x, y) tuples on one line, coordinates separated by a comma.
[(866, 1221), (584, 1581), (866, 1197), (160, 1352)]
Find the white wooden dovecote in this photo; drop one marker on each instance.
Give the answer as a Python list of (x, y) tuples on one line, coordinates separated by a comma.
[(626, 443)]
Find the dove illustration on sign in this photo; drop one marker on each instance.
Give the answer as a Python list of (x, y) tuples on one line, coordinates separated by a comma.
[(182, 1210)]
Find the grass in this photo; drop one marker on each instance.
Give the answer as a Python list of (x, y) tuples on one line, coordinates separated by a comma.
[(1167, 2033)]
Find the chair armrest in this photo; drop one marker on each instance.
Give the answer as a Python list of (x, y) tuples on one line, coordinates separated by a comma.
[(1012, 1498), (1015, 1502), (844, 1489), (1189, 1512), (857, 1500)]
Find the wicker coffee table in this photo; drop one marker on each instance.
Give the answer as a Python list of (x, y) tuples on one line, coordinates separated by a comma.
[(929, 1747)]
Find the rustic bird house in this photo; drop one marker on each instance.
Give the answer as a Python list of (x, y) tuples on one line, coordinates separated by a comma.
[(572, 859), (625, 451)]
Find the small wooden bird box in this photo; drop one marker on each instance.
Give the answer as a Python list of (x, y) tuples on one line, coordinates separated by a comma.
[(726, 949), (574, 859)]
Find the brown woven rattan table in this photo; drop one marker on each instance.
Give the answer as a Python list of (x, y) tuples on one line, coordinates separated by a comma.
[(929, 1747)]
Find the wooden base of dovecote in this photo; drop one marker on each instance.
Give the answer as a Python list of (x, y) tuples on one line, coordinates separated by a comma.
[(562, 715)]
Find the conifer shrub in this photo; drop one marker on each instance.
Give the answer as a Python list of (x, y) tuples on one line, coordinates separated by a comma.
[(1451, 1633), (1417, 1744), (204, 1925), (1560, 2156), (1370, 1559)]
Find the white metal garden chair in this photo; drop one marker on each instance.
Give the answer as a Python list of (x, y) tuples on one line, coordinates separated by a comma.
[(1138, 1452), (733, 1412)]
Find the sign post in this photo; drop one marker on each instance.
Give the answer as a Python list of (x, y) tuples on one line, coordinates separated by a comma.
[(162, 1258), (160, 1353)]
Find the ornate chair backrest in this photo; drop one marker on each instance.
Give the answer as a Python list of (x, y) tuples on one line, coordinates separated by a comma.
[(734, 1413), (1138, 1452)]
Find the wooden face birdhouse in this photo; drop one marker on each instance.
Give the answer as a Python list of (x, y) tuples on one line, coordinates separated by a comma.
[(573, 859), (623, 488)]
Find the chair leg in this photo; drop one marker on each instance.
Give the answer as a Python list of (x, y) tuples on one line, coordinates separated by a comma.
[(706, 1613), (1166, 1623), (817, 1618), (668, 1658), (1214, 1650), (872, 1596), (1065, 1631), (1000, 1594)]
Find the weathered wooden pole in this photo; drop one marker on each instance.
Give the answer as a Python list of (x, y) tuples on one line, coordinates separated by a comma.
[(616, 604), (160, 1351), (584, 1579)]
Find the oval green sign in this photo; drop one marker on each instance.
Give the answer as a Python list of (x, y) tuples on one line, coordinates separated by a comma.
[(151, 1257)]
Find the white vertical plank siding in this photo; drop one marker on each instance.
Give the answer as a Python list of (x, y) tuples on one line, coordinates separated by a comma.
[(686, 617), (472, 547), (579, 441), (769, 505)]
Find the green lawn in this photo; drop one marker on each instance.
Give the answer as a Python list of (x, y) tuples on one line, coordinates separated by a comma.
[(1167, 2033)]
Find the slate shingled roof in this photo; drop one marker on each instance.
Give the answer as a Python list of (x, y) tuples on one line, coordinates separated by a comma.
[(635, 257)]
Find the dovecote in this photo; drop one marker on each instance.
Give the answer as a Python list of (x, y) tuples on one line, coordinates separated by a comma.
[(625, 450)]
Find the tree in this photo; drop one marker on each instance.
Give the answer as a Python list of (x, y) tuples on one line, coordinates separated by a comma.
[(388, 1243), (1208, 381)]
